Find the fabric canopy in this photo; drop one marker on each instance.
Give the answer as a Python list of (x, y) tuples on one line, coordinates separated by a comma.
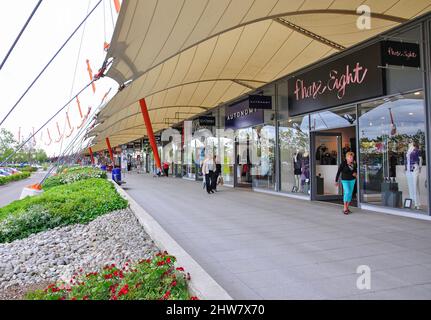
[(187, 56)]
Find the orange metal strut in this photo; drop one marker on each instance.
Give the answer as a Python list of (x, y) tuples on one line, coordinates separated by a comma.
[(111, 155), (150, 132)]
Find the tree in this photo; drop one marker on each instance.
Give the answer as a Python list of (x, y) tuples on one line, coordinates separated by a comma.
[(7, 143)]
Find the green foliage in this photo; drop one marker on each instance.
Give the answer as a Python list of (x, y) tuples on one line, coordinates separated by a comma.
[(72, 175), (78, 202), (151, 279), (14, 177), (27, 169), (7, 143)]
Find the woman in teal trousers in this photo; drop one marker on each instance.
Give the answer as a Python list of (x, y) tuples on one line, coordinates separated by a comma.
[(347, 170)]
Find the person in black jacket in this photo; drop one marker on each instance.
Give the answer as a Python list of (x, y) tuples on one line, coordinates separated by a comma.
[(347, 170), (216, 174)]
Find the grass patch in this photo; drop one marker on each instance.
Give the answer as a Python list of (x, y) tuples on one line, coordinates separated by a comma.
[(78, 202), (70, 175)]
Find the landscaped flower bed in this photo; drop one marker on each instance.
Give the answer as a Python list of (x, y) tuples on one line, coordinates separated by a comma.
[(14, 177), (77, 202), (70, 175), (150, 279)]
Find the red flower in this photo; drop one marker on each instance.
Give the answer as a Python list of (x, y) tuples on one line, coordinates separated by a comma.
[(173, 283), (108, 276), (124, 290), (167, 295), (74, 298), (180, 269), (62, 298), (168, 260), (160, 263), (114, 297), (85, 298), (194, 298)]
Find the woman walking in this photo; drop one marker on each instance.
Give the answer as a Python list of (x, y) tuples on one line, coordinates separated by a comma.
[(347, 170)]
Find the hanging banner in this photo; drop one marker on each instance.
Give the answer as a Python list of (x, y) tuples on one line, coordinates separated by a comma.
[(90, 72), (403, 54)]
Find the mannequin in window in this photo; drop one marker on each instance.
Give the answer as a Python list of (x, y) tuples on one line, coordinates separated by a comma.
[(320, 152), (413, 165), (305, 172), (297, 169)]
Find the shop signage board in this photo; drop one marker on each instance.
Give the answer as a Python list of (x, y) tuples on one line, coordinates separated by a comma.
[(207, 121), (240, 115), (403, 54), (260, 102), (137, 145), (349, 79)]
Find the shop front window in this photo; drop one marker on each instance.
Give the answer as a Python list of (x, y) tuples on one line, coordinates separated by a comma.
[(294, 155), (393, 167)]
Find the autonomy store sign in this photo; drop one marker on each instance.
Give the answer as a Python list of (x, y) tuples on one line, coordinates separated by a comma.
[(242, 115), (348, 79)]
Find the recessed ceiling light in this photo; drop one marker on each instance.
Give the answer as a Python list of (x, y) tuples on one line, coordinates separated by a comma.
[(410, 113)]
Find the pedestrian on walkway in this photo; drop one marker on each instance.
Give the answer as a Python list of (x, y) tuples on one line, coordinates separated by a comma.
[(347, 170), (216, 174), (138, 164), (166, 168), (208, 172)]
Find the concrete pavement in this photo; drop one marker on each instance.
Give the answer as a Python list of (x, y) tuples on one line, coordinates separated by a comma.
[(259, 246)]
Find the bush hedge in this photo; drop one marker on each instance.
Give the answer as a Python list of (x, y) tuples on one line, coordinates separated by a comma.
[(77, 202), (72, 175), (149, 279), (14, 177)]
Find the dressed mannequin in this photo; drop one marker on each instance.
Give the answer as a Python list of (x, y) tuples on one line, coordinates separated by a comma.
[(297, 169), (413, 165), (305, 172)]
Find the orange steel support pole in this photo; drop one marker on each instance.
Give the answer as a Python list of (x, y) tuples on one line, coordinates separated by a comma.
[(111, 155), (150, 132), (91, 155)]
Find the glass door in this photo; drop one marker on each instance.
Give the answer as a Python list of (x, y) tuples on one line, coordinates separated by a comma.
[(243, 144), (327, 151)]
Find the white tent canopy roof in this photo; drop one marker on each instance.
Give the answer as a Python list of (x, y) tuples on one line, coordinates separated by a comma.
[(187, 56)]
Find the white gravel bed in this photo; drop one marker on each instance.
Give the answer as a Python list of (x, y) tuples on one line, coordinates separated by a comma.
[(56, 254)]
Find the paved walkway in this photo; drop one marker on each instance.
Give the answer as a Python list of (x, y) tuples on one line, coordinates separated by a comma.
[(12, 191), (260, 246)]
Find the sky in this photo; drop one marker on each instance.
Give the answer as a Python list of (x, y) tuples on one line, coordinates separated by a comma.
[(52, 24)]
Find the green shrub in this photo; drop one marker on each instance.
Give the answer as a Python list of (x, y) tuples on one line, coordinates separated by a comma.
[(27, 169), (14, 177), (151, 279), (72, 175), (78, 202)]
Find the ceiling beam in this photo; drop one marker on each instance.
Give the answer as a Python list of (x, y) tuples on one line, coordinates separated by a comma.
[(309, 34)]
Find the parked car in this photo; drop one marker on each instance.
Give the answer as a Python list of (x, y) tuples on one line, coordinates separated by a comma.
[(4, 173)]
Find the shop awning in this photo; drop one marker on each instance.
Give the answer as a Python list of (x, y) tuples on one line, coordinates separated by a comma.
[(187, 56)]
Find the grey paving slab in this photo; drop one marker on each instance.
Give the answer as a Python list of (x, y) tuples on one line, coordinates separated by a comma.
[(260, 246)]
